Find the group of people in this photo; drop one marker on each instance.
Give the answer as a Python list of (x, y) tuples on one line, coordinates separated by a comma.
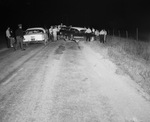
[(15, 39), (92, 34), (53, 32)]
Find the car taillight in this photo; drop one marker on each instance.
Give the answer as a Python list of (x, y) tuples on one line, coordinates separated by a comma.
[(43, 36)]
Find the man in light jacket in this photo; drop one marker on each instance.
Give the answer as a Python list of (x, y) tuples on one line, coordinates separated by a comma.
[(55, 30), (88, 34), (103, 34), (8, 35)]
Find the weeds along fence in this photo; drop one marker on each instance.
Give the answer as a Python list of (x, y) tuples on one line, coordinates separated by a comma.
[(131, 46), (137, 68), (135, 34)]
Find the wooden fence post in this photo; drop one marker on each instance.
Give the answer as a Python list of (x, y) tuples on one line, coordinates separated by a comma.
[(108, 32), (119, 33), (126, 34), (137, 34), (113, 32)]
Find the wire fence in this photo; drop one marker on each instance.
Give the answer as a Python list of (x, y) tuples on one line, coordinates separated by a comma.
[(132, 34)]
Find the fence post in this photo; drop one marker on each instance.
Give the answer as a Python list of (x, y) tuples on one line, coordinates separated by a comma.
[(137, 34), (119, 33), (113, 32), (126, 34), (108, 32)]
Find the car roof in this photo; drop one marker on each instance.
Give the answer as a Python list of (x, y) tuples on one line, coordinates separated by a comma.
[(74, 29), (36, 28), (65, 27), (79, 28)]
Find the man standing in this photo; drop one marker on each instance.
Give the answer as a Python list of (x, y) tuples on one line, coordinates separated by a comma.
[(19, 37), (93, 35), (51, 33), (55, 30), (12, 38), (8, 35), (103, 34), (88, 34), (96, 34)]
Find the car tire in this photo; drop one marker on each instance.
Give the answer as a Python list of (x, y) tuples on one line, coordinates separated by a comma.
[(26, 44), (44, 42), (73, 37)]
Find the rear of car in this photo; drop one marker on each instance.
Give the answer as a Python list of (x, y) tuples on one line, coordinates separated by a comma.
[(35, 35), (78, 33), (65, 32)]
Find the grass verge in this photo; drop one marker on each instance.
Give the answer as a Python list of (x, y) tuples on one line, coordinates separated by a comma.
[(131, 56)]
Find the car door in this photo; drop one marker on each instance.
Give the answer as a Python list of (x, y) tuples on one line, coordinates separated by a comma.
[(45, 35)]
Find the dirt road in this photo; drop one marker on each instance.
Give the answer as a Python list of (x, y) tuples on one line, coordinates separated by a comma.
[(66, 82)]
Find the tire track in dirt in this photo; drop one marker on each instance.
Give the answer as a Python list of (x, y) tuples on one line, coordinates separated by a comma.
[(31, 103), (74, 95)]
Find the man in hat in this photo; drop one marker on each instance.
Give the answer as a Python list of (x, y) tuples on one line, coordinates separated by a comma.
[(19, 37)]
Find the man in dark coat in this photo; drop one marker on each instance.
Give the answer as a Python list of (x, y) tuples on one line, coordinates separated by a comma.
[(19, 37)]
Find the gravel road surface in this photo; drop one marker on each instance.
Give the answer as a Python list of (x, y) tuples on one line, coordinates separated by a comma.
[(66, 82)]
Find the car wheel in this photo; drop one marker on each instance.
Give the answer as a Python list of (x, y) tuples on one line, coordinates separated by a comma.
[(26, 44), (72, 38), (44, 42)]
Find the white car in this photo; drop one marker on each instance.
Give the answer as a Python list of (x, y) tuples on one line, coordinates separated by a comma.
[(36, 35)]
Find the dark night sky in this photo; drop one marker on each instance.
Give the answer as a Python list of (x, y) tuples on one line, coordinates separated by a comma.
[(119, 14)]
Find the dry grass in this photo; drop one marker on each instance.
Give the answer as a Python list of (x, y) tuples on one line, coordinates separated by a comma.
[(132, 47), (133, 57)]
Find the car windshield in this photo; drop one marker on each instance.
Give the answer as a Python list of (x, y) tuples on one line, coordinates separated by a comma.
[(82, 31), (74, 30), (34, 31), (65, 28)]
